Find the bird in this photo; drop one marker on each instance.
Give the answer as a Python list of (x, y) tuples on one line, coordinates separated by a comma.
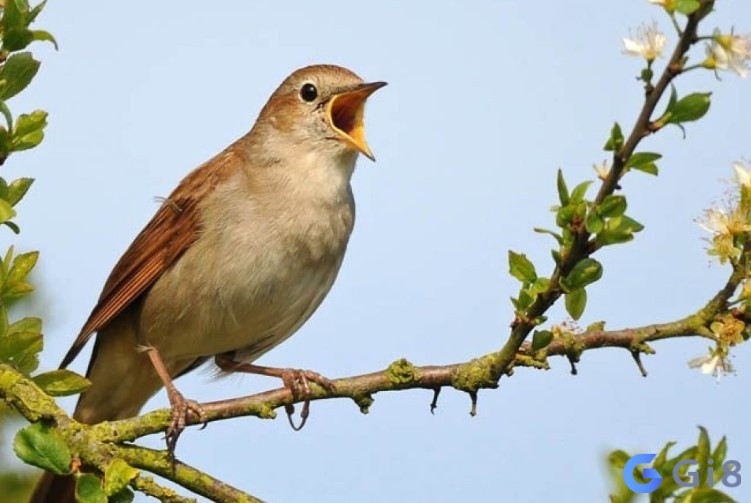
[(234, 261)]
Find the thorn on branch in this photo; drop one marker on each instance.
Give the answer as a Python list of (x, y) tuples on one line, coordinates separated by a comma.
[(636, 355), (573, 360), (364, 402), (473, 409), (434, 403)]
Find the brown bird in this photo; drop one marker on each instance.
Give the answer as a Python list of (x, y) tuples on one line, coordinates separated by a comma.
[(235, 260)]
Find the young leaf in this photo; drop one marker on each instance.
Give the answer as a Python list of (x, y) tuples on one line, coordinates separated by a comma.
[(585, 272), (686, 7), (6, 211), (615, 141), (702, 454), (89, 489), (576, 301), (555, 235), (563, 196), (117, 476), (61, 382), (17, 189), (580, 191), (16, 74), (689, 108), (521, 268), (541, 339), (39, 445), (613, 206), (640, 158), (21, 350), (594, 222)]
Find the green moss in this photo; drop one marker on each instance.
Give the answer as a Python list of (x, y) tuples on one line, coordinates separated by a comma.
[(402, 372), (475, 374), (266, 412)]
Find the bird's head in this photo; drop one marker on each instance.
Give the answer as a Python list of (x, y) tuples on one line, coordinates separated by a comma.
[(321, 108)]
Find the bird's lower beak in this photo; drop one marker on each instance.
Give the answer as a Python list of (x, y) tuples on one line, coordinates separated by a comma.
[(346, 110)]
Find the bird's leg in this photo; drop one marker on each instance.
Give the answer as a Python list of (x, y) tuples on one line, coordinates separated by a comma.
[(295, 380), (180, 405)]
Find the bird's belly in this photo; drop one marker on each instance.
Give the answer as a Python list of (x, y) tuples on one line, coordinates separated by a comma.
[(245, 306)]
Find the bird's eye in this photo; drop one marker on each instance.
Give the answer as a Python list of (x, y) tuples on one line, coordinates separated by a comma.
[(308, 92)]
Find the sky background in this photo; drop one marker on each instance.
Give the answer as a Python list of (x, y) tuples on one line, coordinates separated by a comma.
[(486, 100)]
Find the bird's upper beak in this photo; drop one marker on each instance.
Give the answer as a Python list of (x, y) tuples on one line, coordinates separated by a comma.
[(345, 112)]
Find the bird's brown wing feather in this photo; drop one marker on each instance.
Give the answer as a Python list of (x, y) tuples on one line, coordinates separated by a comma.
[(171, 231)]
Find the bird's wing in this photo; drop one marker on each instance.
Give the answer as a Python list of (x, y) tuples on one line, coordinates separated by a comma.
[(172, 230)]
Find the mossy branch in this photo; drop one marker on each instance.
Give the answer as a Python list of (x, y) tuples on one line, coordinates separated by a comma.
[(95, 446)]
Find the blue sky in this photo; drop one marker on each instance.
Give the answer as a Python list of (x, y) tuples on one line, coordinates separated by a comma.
[(486, 101)]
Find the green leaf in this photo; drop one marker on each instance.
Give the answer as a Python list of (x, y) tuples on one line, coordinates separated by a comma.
[(541, 339), (21, 350), (562, 189), (39, 445), (89, 489), (17, 38), (613, 206), (42, 35), (650, 168), (521, 268), (662, 455), (618, 230), (718, 456), (123, 496), (117, 476), (33, 13), (6, 211), (6, 113), (707, 495), (580, 191), (686, 6), (618, 459), (523, 301), (14, 15), (689, 108), (576, 301), (615, 141), (22, 266), (585, 272), (644, 161), (16, 74), (29, 130), (539, 286), (555, 235), (594, 222), (702, 455), (17, 189), (640, 158), (61, 382), (28, 324)]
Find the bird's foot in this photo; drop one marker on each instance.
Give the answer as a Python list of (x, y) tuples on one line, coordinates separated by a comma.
[(181, 409), (297, 381)]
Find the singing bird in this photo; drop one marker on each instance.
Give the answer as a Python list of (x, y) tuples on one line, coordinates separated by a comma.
[(234, 261)]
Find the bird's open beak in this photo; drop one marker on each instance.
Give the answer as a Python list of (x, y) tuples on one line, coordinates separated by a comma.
[(346, 110)]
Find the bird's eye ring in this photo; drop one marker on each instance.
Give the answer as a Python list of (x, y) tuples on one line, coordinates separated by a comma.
[(308, 92)]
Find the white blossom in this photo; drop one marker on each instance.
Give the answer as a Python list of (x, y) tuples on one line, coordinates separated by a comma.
[(712, 364), (648, 42)]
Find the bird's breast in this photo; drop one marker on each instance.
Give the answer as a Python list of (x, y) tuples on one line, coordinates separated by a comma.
[(259, 269)]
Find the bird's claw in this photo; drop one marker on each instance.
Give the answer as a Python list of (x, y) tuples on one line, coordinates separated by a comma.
[(298, 383), (181, 408)]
